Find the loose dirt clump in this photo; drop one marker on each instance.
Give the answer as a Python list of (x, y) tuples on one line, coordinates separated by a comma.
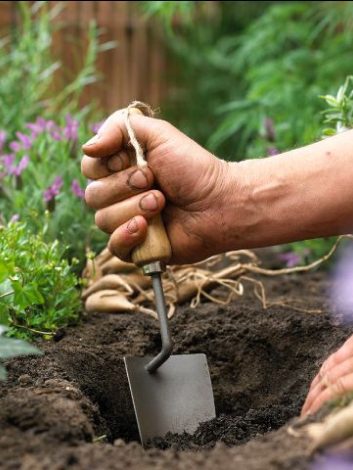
[(72, 408)]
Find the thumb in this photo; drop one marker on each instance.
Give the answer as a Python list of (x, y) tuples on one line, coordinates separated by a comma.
[(113, 137)]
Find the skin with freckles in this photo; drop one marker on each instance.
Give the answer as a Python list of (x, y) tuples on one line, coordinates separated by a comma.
[(211, 206)]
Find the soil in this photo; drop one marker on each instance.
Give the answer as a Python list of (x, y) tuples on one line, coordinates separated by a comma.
[(71, 408)]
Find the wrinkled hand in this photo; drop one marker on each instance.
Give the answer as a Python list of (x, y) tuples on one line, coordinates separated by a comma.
[(334, 379), (192, 188)]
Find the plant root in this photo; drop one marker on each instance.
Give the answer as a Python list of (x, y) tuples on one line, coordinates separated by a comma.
[(186, 283)]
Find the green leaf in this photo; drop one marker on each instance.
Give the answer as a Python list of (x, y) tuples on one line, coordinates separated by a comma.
[(15, 347), (331, 100), (4, 271), (27, 295)]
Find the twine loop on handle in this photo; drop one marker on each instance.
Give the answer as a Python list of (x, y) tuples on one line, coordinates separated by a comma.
[(147, 111)]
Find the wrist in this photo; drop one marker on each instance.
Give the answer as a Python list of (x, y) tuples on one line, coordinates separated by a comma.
[(256, 193)]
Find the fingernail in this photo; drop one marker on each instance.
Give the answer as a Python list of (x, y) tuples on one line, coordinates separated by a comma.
[(138, 180), (132, 226), (149, 202), (92, 141)]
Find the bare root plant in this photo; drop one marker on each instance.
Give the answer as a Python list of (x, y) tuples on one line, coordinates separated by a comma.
[(116, 286)]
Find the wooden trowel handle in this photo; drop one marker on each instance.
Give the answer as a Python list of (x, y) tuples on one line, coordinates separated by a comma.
[(156, 246)]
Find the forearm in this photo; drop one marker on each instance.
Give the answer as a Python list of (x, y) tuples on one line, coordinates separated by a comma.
[(301, 194)]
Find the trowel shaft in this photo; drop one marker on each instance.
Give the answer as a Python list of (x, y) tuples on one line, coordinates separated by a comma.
[(161, 308)]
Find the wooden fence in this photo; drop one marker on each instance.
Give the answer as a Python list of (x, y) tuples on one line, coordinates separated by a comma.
[(134, 69)]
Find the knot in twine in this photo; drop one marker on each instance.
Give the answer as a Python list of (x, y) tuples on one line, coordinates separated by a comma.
[(146, 110)]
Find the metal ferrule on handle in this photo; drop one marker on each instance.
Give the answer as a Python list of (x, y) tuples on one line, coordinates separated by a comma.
[(167, 344)]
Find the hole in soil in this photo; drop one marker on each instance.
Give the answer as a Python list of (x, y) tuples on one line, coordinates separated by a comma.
[(260, 369)]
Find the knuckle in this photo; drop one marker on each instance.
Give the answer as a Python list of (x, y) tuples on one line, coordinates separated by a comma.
[(339, 387)]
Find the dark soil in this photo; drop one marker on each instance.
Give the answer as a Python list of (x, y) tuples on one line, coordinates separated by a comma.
[(71, 408)]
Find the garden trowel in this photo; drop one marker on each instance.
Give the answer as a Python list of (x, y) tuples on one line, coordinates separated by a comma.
[(170, 393)]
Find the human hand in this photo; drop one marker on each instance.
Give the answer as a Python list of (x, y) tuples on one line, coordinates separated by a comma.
[(193, 188), (334, 379)]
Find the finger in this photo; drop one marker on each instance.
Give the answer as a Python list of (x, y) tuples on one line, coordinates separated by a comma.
[(118, 186), (147, 205), (113, 137), (317, 385), (332, 376), (342, 354), (337, 389), (126, 237), (95, 168)]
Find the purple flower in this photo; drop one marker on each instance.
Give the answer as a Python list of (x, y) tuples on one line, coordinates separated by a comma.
[(71, 128), (18, 169), (9, 164), (96, 126), (56, 135), (333, 462), (341, 292), (14, 218), (39, 126), (272, 151), (25, 140), (7, 161), (290, 258), (52, 191), (77, 190), (2, 139), (15, 146)]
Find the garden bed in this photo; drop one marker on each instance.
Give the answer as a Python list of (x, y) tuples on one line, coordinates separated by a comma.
[(71, 408)]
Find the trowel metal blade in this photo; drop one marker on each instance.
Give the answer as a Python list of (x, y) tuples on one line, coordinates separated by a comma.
[(175, 398)]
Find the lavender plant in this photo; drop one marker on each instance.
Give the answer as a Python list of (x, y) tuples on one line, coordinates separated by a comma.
[(39, 174)]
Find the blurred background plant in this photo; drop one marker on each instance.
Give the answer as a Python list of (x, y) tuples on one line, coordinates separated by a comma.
[(249, 74)]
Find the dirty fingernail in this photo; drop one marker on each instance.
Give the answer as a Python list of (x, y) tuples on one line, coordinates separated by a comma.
[(132, 226), (149, 203), (91, 141), (138, 180)]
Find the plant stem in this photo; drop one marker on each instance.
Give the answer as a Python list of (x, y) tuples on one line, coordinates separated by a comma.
[(6, 294)]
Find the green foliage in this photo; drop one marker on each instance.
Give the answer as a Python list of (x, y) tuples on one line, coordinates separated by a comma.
[(201, 78), (10, 347), (339, 114), (168, 10), (245, 62), (38, 291), (287, 58)]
